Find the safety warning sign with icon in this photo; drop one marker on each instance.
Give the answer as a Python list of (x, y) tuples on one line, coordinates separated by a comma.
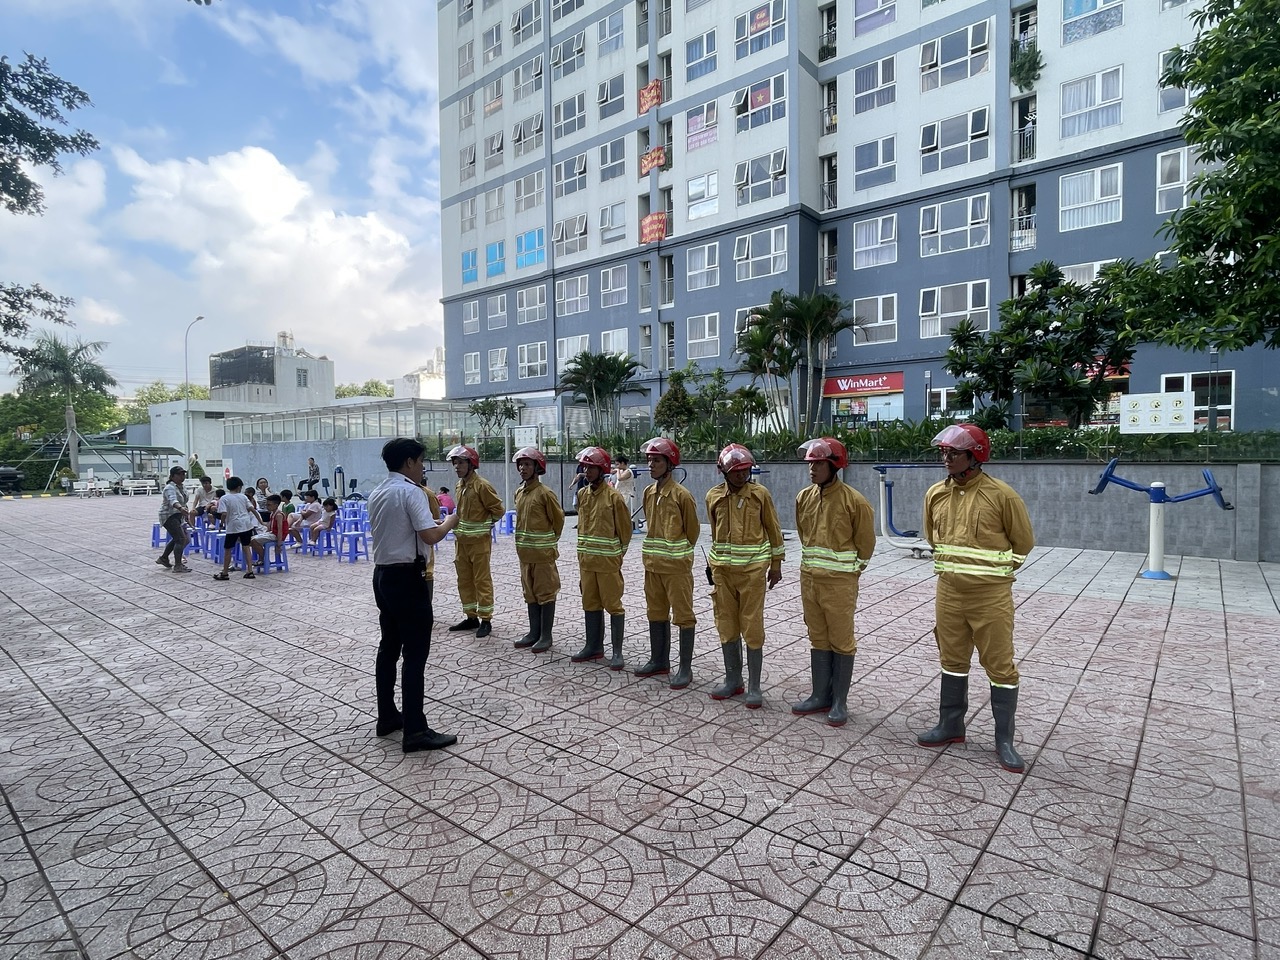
[(1158, 413)]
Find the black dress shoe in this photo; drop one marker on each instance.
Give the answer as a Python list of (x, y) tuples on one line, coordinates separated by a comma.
[(427, 740), (390, 726), (486, 628), (468, 624)]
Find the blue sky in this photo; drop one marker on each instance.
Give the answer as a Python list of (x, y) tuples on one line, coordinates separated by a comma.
[(268, 165)]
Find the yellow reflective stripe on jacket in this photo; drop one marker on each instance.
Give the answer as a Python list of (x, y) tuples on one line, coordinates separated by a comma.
[(948, 558), (600, 546), (743, 554), (835, 561), (536, 539), (674, 549), (472, 528)]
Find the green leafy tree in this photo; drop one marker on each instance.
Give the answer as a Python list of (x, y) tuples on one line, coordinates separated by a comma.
[(599, 380), (675, 412), (135, 410), (770, 361), (493, 413), (370, 388)]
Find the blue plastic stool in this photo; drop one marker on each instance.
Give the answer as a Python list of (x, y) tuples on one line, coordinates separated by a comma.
[(354, 544), (508, 522), (325, 543), (280, 562)]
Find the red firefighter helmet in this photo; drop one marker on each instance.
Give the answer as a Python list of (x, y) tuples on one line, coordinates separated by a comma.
[(965, 436), (824, 448), (595, 457), (463, 452), (733, 456), (662, 447), (532, 453)]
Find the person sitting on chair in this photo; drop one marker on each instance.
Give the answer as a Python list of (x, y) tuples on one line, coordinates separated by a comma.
[(313, 475)]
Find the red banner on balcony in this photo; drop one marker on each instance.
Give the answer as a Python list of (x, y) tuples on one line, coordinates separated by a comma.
[(863, 384), (653, 227), (655, 158), (649, 96)]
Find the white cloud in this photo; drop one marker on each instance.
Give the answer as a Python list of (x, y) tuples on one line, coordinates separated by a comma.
[(322, 53), (97, 313)]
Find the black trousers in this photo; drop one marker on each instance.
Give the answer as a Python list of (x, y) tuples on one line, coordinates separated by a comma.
[(308, 484), (405, 619), (177, 544)]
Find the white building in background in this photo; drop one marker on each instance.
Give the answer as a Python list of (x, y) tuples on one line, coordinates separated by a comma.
[(424, 383)]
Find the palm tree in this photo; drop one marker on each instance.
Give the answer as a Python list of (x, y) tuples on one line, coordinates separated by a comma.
[(599, 380), (57, 366), (770, 360)]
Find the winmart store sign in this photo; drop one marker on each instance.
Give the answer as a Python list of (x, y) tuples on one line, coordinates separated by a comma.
[(863, 384)]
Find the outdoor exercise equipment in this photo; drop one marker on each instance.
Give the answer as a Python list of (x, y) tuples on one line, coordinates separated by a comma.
[(1156, 491), (902, 539)]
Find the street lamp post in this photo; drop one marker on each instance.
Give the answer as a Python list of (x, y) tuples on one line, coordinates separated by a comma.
[(186, 393), (928, 391)]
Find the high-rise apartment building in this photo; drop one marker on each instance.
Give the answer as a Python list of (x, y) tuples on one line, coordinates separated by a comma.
[(637, 175)]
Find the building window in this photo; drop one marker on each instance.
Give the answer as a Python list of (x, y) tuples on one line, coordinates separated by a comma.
[(609, 33), (871, 15), (955, 141), (527, 78), (941, 308), (701, 126), (613, 222), (954, 57), (874, 85), (1091, 197), (955, 225), (568, 55), (761, 178), (532, 360), (875, 241), (614, 341), (570, 235), (1213, 388), (493, 96), (761, 103), (493, 43), (471, 317), (496, 307), (573, 295), (760, 28), (703, 267), (569, 116), (466, 8), (1091, 103), (470, 268), (471, 368), (1082, 19), (526, 23), (874, 163), (1171, 98), (760, 254), (879, 319), (703, 196), (704, 337), (494, 204), (700, 56), (613, 286), (531, 248), (609, 96), (300, 376), (467, 214), (497, 364), (1083, 273), (613, 159), (570, 176), (527, 134), (467, 59), (562, 8), (530, 191), (569, 347), (531, 304), (493, 151), (1175, 170), (495, 259), (467, 161), (466, 112)]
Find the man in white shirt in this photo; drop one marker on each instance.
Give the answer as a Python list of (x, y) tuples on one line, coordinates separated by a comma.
[(400, 523)]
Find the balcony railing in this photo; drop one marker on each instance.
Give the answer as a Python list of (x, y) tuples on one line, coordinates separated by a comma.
[(642, 32), (664, 23), (667, 290), (829, 269), (826, 45), (666, 89), (829, 195), (646, 295), (828, 119), (1024, 143), (1022, 233)]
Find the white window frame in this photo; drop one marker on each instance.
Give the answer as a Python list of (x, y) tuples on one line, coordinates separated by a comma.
[(975, 58), (492, 40), (466, 59), (466, 9), (496, 312), (702, 267), (709, 115), (570, 235), (531, 359), (493, 96), (573, 295), (1186, 383), (530, 191), (471, 368), (531, 252), (569, 347), (568, 56), (467, 212), (527, 134), (609, 34), (703, 62), (973, 214), (762, 253), (761, 178), (569, 116), (493, 150), (562, 8), (613, 222), (527, 78), (611, 95), (1093, 7), (467, 112), (467, 162), (870, 15), (706, 344), (498, 364), (936, 323), (702, 196), (886, 160), (531, 304), (1095, 113), (570, 175), (1171, 183), (1101, 207), (750, 37), (526, 23), (613, 286), (741, 320), (1168, 99), (753, 110), (875, 84), (938, 152), (471, 317), (880, 316), (613, 159), (884, 250), (1083, 273), (614, 341), (495, 204)]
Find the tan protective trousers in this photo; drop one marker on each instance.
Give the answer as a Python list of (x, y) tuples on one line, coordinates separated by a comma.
[(541, 581), (669, 596), (829, 601), (975, 612), (602, 585), (475, 581), (738, 601)]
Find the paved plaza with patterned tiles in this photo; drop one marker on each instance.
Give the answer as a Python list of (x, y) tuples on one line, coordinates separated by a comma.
[(189, 770)]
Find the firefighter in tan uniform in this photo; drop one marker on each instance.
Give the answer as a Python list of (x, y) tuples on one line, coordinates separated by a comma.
[(671, 530), (746, 554), (539, 523), (837, 537), (980, 533), (604, 533), (479, 508)]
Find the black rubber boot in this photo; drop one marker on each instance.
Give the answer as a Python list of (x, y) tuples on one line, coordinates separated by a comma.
[(820, 700), (732, 686), (755, 662), (535, 628), (841, 675), (684, 675), (953, 705), (617, 628), (1004, 704), (593, 648), (659, 650), (547, 618)]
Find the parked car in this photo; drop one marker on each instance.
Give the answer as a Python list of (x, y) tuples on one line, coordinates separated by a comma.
[(11, 479)]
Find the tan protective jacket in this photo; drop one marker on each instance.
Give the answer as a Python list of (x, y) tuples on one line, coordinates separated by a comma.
[(671, 528), (836, 527), (604, 524), (977, 529), (745, 533), (479, 507), (539, 522)]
